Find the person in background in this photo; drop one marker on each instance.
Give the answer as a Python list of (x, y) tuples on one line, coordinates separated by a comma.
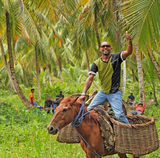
[(130, 99), (49, 104), (31, 99), (140, 107), (58, 98)]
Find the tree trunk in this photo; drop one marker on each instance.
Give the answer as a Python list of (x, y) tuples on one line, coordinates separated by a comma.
[(6, 64), (10, 90), (97, 35), (49, 75), (13, 75), (87, 59), (134, 77), (37, 69), (21, 9), (124, 76), (157, 68), (154, 92), (60, 68), (140, 76)]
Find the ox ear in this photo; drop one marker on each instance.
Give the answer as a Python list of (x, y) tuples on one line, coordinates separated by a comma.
[(73, 101)]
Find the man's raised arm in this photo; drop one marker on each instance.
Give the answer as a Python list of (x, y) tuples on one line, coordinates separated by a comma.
[(129, 48)]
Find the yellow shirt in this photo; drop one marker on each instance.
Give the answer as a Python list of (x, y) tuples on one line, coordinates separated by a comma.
[(31, 96)]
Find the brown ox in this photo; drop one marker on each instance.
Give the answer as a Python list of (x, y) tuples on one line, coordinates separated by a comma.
[(89, 128)]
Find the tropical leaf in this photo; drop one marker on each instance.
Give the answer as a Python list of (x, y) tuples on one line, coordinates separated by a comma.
[(140, 20)]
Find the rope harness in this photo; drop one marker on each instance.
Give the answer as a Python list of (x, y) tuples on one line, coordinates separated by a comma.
[(77, 122)]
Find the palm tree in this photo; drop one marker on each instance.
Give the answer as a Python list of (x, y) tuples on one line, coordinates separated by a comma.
[(93, 14), (140, 76), (6, 64), (16, 35), (150, 75), (124, 76), (14, 79), (157, 68), (139, 19)]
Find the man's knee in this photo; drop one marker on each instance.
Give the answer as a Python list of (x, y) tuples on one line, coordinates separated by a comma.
[(119, 116)]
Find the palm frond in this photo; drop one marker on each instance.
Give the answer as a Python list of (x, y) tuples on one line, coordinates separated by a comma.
[(139, 18)]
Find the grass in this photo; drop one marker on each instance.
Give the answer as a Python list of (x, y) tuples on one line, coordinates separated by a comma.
[(23, 133)]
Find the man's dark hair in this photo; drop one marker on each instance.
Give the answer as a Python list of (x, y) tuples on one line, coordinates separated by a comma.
[(32, 89)]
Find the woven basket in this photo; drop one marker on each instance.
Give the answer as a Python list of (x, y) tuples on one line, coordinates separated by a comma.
[(139, 138), (68, 135)]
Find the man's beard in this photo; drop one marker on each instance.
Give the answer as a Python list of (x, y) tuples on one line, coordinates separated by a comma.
[(106, 54)]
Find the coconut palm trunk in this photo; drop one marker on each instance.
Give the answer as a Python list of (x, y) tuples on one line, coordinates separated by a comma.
[(140, 76), (157, 68), (97, 35), (37, 69), (134, 77), (6, 64), (124, 76), (154, 92), (87, 59), (98, 38), (60, 68), (49, 75), (13, 75)]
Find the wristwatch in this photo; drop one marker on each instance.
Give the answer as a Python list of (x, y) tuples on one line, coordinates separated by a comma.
[(83, 94)]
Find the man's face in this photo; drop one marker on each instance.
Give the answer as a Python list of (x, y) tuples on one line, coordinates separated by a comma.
[(105, 48), (49, 98), (32, 90), (60, 93), (131, 94)]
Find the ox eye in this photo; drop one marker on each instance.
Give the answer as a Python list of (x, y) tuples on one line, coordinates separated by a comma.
[(64, 110)]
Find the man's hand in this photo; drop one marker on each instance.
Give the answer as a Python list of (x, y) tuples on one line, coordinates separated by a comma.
[(81, 98), (128, 52), (128, 37)]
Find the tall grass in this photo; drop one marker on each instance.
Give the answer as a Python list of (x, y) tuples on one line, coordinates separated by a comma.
[(23, 133)]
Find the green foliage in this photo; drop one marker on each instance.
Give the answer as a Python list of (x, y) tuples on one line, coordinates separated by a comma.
[(23, 132), (63, 41), (132, 87)]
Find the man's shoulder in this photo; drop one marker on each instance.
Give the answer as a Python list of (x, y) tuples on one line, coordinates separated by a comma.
[(98, 60), (116, 55), (31, 94)]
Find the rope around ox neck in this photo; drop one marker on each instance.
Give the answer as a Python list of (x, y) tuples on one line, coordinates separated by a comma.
[(77, 122)]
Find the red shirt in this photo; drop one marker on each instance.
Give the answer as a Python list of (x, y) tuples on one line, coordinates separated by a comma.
[(139, 108)]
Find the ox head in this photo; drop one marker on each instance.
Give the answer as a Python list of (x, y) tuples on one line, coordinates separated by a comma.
[(64, 115)]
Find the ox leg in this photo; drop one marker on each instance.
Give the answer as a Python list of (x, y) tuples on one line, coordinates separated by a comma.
[(122, 155)]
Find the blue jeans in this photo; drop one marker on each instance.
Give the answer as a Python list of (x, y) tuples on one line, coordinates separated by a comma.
[(115, 99), (54, 106), (136, 112), (38, 106)]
